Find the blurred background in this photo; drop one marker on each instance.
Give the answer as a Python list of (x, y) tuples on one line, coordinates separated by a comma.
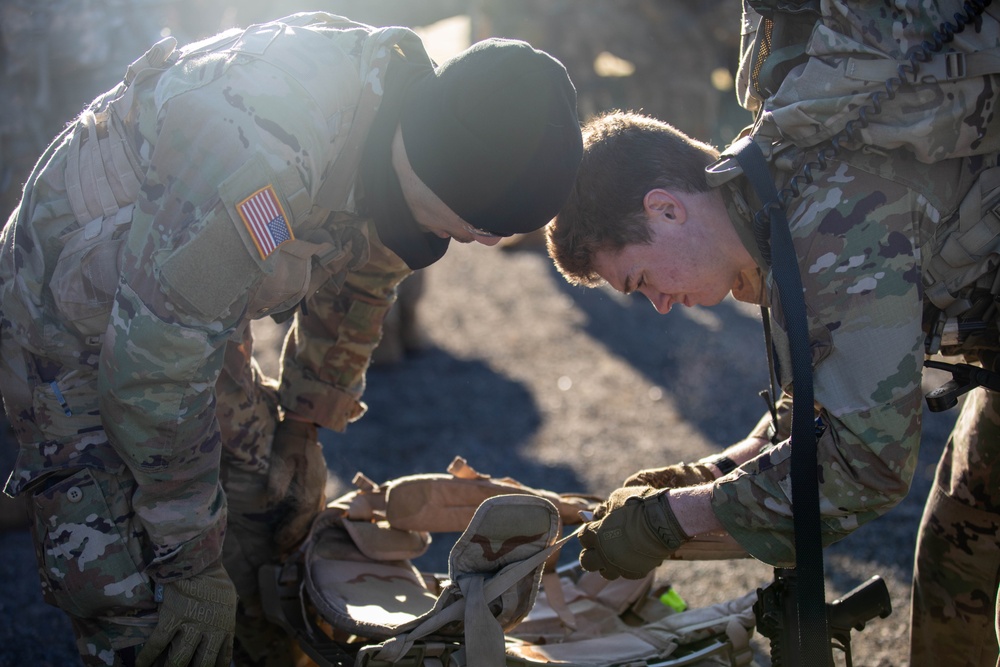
[(489, 355)]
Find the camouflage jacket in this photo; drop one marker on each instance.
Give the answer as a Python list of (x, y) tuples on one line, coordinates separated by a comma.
[(857, 231), (814, 74), (219, 187)]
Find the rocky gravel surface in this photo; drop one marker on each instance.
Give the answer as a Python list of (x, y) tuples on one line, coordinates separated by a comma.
[(563, 388)]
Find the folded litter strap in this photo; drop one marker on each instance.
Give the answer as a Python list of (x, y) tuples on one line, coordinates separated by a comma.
[(445, 503), (715, 635)]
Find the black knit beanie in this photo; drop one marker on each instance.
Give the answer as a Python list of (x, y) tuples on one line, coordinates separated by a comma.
[(494, 133)]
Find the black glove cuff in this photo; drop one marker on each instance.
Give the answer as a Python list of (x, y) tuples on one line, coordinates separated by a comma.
[(664, 523), (725, 464)]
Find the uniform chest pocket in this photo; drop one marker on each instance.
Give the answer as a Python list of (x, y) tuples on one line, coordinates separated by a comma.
[(86, 275)]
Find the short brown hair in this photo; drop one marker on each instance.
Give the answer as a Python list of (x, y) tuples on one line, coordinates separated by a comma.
[(625, 155)]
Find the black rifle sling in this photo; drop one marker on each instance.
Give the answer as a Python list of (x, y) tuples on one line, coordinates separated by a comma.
[(814, 649)]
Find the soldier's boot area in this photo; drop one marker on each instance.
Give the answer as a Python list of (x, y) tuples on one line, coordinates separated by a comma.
[(952, 614), (402, 336)]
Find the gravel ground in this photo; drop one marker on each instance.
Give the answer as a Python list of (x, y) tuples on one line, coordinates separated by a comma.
[(561, 388)]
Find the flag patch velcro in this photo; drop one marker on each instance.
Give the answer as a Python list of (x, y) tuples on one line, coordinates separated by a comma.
[(265, 219)]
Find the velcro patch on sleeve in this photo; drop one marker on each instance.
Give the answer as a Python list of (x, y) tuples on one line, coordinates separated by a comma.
[(266, 220)]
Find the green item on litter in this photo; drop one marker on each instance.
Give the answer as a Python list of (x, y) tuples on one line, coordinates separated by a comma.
[(672, 599)]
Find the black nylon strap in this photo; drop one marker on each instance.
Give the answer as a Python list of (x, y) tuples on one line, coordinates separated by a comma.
[(814, 649)]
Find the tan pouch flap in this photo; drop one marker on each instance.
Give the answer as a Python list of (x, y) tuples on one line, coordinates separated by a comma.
[(378, 541), (447, 503)]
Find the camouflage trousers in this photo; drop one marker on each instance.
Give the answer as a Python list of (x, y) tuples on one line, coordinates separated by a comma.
[(88, 542), (954, 619)]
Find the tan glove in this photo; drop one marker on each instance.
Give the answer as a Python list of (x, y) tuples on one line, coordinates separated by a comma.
[(296, 483), (633, 532), (672, 477), (197, 622)]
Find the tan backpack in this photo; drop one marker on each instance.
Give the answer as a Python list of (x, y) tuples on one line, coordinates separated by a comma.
[(352, 595)]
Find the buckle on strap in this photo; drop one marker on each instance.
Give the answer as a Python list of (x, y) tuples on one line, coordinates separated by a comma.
[(944, 67)]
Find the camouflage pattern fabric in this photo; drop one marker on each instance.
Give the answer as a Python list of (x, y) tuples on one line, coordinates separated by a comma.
[(953, 616), (88, 544), (867, 458), (494, 571), (131, 273), (949, 110), (856, 231)]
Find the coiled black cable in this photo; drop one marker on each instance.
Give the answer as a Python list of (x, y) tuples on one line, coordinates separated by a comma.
[(907, 72)]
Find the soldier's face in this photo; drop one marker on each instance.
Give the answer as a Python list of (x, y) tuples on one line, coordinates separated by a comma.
[(432, 214), (691, 259)]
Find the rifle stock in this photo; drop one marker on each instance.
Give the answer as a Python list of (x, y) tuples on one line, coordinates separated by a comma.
[(778, 621)]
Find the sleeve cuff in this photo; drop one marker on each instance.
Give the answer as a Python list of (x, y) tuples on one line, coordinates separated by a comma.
[(764, 541), (189, 558), (325, 405)]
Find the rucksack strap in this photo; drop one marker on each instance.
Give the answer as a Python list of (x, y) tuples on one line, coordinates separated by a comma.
[(475, 585), (938, 67), (814, 647)]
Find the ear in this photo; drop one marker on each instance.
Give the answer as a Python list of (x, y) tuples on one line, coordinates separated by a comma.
[(662, 205)]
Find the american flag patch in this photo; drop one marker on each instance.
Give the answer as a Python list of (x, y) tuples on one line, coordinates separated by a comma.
[(265, 220)]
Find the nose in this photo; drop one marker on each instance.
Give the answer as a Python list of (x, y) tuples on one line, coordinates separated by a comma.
[(487, 240), (661, 302)]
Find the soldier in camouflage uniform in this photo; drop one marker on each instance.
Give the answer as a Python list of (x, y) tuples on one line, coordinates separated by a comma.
[(663, 218), (298, 169)]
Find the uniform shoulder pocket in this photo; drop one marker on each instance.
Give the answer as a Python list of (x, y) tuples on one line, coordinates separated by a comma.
[(217, 266)]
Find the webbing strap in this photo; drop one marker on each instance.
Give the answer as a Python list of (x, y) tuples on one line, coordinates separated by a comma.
[(938, 67), (457, 609), (814, 649)]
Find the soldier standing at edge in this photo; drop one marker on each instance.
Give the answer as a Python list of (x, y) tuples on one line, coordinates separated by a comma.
[(654, 213), (301, 168)]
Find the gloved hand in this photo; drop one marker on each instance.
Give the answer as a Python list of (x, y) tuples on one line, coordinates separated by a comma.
[(296, 482), (672, 477), (633, 531), (197, 622)]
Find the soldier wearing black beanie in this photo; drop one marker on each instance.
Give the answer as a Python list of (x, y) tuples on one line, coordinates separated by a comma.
[(493, 132), (241, 177)]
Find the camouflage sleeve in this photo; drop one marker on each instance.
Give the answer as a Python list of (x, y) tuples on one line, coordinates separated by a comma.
[(159, 365), (192, 270), (328, 350), (856, 235)]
